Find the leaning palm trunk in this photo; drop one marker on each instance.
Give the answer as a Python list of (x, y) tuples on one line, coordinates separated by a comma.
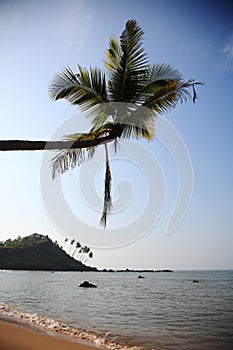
[(24, 145)]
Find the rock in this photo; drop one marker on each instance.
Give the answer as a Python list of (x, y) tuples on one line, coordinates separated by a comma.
[(140, 276), (87, 284)]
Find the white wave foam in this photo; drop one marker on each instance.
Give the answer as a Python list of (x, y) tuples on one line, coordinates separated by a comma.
[(62, 328)]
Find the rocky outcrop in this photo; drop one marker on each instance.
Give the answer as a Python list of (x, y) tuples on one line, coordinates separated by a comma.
[(39, 253), (87, 284)]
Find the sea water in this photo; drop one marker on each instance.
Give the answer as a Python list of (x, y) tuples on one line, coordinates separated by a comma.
[(161, 311)]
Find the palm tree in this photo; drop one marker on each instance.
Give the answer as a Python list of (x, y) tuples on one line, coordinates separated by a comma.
[(122, 106), (78, 245), (90, 255), (84, 254), (65, 241), (79, 253), (71, 244), (85, 250), (122, 103)]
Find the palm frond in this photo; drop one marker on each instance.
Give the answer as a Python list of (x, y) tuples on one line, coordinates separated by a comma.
[(163, 71), (84, 89), (113, 56), (155, 78), (107, 191), (61, 83), (131, 61), (139, 123), (134, 57), (69, 158), (100, 115), (146, 131), (164, 88), (168, 95), (131, 120), (194, 90)]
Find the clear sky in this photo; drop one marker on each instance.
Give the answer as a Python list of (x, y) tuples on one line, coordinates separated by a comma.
[(37, 39)]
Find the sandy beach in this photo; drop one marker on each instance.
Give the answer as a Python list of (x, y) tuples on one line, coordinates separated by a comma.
[(24, 323), (15, 337)]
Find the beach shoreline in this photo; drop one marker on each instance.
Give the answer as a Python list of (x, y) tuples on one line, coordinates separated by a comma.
[(38, 324), (16, 336)]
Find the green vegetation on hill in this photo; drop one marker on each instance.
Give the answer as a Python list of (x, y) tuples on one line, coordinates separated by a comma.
[(37, 252)]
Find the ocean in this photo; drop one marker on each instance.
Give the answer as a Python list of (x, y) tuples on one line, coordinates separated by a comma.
[(161, 311)]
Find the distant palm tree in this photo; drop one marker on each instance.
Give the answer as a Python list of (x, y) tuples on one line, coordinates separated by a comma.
[(85, 250), (90, 255), (71, 245), (65, 242), (123, 107), (78, 245), (79, 253)]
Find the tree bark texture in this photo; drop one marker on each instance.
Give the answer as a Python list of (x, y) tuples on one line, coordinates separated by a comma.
[(24, 145)]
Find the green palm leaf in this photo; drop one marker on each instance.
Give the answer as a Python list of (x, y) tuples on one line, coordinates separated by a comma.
[(113, 56), (126, 63), (164, 88), (84, 89), (146, 131)]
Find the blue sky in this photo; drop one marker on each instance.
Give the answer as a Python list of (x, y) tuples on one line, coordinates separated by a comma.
[(40, 38)]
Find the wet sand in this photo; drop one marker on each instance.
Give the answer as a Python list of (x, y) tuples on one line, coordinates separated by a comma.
[(15, 337)]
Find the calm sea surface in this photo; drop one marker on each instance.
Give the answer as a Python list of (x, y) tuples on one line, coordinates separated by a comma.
[(161, 311)]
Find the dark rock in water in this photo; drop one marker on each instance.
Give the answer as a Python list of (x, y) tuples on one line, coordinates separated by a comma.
[(87, 284), (195, 281), (140, 276)]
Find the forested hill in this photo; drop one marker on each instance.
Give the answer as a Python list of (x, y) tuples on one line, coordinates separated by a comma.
[(37, 252)]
